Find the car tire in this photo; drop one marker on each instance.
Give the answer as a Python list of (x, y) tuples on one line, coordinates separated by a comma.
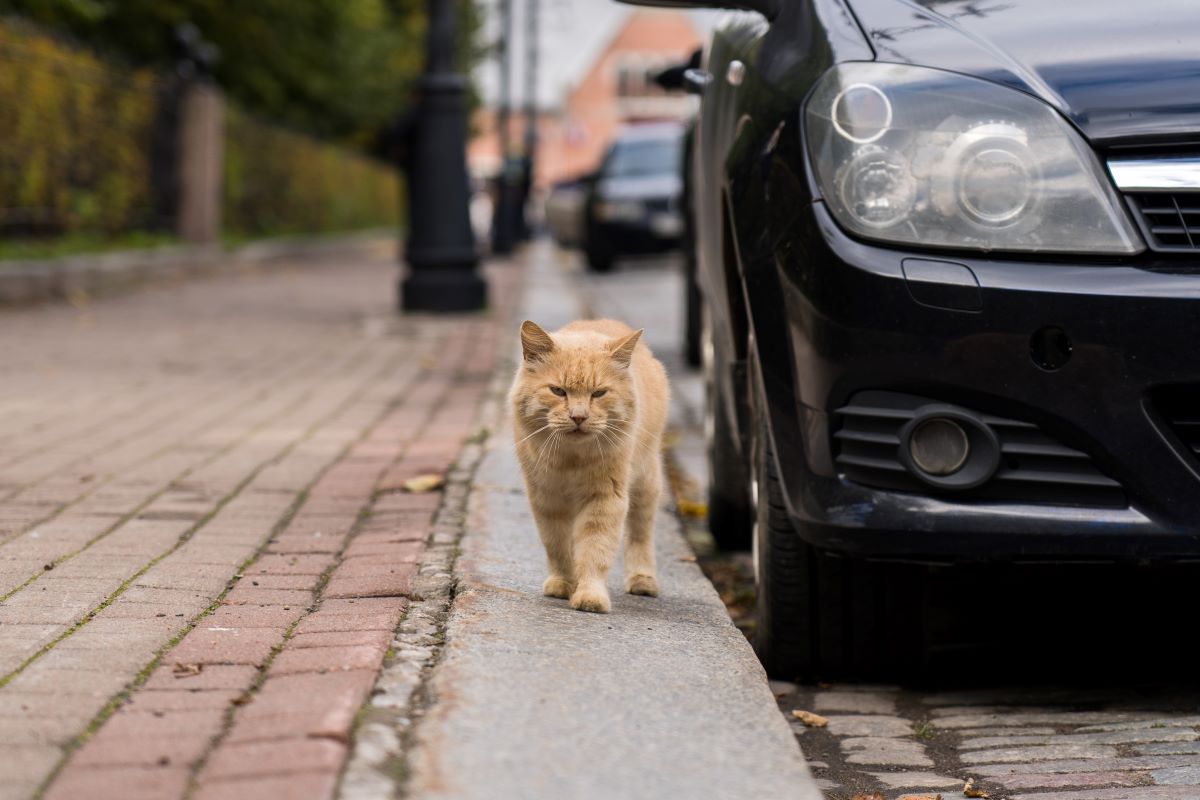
[(692, 301), (821, 616), (600, 257), (730, 516)]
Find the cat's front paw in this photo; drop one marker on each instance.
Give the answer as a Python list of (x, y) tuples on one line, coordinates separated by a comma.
[(642, 584), (557, 587), (591, 598)]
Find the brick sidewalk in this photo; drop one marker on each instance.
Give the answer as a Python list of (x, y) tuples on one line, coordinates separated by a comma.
[(204, 545)]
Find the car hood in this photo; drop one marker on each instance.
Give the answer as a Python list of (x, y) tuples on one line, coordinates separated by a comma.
[(640, 187), (1117, 68)]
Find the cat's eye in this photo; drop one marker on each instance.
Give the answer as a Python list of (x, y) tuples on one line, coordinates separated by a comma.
[(600, 393), (558, 390)]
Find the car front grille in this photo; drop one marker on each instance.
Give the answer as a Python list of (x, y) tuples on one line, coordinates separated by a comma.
[(1034, 467), (1170, 220), (1180, 409)]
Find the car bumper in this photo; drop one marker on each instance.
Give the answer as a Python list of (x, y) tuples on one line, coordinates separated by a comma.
[(856, 323), (652, 233)]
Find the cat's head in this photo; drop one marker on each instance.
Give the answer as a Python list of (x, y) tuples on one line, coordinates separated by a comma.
[(577, 384)]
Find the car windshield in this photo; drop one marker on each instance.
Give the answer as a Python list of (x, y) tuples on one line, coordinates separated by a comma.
[(644, 157)]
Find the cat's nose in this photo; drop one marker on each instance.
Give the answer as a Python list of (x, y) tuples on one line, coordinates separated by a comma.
[(578, 419)]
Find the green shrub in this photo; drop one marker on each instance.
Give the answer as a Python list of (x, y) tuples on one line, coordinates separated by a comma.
[(75, 139), (279, 182)]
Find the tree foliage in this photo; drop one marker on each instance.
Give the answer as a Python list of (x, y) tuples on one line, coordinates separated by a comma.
[(335, 68)]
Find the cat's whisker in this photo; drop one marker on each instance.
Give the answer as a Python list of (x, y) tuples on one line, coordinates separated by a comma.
[(535, 433), (629, 436)]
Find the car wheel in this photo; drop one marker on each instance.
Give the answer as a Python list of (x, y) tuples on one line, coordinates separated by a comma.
[(730, 516), (600, 256), (822, 616), (692, 301)]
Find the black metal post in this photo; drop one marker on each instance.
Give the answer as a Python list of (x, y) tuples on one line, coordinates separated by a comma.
[(443, 263), (531, 113), (503, 231)]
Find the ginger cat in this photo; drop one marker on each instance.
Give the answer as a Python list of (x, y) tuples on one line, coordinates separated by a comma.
[(589, 408)]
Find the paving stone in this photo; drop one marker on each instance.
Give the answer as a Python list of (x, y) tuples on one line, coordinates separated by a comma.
[(914, 780), (252, 616), (321, 622), (211, 676), (182, 700), (329, 659), (990, 720), (252, 595), (211, 644), (1087, 765), (1158, 721), (111, 750), (396, 584), (22, 761), (855, 702), (1167, 748), (118, 783), (305, 582), (869, 725), (1140, 793), (1104, 737), (1048, 752), (356, 606), (1177, 776), (287, 757), (131, 723), (1053, 780), (377, 639), (885, 751), (273, 564), (306, 786)]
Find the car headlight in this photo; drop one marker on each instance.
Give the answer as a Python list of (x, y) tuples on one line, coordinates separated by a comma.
[(620, 210), (925, 157)]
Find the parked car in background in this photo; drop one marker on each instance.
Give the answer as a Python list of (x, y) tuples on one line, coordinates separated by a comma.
[(633, 206), (949, 255), (564, 211)]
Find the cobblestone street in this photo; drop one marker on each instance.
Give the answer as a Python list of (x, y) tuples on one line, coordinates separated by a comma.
[(1020, 732)]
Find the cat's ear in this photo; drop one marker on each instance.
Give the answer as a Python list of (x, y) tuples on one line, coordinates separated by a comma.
[(622, 351), (536, 344)]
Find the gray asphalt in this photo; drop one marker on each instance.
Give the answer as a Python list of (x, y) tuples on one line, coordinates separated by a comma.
[(662, 698)]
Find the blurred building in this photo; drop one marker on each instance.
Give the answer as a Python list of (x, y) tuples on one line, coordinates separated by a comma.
[(601, 79)]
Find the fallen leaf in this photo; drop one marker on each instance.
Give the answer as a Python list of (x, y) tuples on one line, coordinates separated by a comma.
[(810, 719), (424, 483), (969, 789), (694, 509), (921, 797), (187, 670), (872, 796)]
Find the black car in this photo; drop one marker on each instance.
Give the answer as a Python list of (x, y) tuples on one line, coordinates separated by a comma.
[(949, 253), (634, 203)]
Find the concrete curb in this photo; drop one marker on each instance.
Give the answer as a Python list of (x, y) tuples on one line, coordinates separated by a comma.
[(43, 280)]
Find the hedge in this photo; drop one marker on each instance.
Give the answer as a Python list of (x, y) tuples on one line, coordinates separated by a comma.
[(277, 181), (75, 139), (76, 136)]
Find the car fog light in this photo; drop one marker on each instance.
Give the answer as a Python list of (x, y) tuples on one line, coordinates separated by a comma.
[(939, 446)]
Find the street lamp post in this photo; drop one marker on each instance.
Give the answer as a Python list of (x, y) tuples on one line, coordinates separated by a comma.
[(506, 202), (443, 262), (531, 113)]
